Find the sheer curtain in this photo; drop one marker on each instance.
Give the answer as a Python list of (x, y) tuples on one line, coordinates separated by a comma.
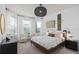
[(24, 27), (17, 25), (38, 26), (11, 24)]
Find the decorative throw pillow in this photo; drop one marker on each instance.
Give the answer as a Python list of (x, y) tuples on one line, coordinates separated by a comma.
[(58, 34), (51, 34)]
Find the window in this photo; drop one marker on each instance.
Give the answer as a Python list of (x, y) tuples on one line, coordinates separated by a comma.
[(38, 26), (12, 26), (26, 27)]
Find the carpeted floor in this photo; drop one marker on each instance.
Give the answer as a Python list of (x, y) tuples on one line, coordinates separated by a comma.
[(26, 48)]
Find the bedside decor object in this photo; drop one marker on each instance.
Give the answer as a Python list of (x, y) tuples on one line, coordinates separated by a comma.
[(40, 11), (65, 34), (69, 35)]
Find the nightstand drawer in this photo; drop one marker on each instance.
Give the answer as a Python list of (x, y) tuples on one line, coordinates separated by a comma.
[(71, 45)]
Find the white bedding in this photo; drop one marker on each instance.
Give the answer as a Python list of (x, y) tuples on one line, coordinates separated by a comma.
[(46, 41)]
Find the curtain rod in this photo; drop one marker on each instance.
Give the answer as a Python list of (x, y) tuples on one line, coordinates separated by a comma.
[(7, 9)]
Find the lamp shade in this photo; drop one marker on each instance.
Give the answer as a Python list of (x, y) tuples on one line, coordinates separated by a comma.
[(40, 11)]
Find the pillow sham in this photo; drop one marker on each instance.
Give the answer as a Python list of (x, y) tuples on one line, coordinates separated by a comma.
[(58, 34), (51, 34)]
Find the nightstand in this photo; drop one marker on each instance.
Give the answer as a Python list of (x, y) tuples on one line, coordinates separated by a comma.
[(71, 45)]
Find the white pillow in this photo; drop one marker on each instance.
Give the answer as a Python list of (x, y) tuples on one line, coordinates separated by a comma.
[(58, 34)]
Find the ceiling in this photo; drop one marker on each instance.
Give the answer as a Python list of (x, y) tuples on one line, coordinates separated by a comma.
[(28, 9)]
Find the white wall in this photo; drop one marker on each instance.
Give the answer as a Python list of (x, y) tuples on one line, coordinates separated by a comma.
[(70, 20)]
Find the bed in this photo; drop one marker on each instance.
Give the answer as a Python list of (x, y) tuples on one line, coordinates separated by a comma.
[(46, 43)]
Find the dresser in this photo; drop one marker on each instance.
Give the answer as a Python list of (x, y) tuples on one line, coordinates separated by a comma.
[(8, 46)]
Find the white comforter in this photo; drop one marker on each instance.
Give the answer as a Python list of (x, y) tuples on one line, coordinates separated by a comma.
[(46, 41)]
